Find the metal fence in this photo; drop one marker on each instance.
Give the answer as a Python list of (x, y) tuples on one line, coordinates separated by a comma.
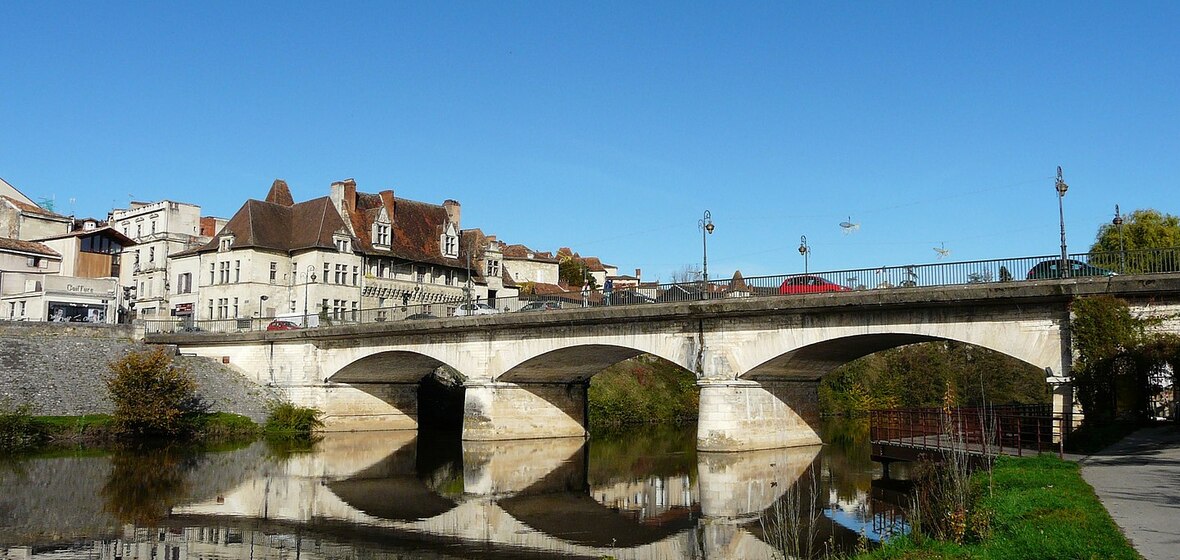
[(783, 285), (1008, 429)]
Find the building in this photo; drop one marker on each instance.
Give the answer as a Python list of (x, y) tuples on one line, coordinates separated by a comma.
[(159, 230), (331, 257), (21, 218)]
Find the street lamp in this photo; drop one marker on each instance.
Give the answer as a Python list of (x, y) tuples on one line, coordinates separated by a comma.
[(805, 250), (1118, 223), (1061, 188), (308, 278), (706, 225), (261, 299)]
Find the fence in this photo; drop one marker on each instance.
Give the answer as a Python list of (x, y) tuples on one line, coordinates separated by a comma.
[(783, 285), (1009, 429)]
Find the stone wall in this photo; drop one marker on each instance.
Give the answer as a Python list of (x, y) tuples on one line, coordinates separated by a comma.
[(57, 369)]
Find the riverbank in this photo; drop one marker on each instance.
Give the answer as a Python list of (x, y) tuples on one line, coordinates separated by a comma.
[(1029, 508)]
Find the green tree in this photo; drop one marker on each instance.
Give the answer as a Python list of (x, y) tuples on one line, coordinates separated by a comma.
[(152, 397), (574, 272), (1141, 230)]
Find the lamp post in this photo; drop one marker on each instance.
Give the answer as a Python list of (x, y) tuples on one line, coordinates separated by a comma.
[(805, 250), (308, 278), (706, 225), (261, 300), (1061, 188), (1118, 223)]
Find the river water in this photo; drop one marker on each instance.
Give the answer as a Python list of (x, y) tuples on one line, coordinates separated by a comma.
[(644, 494)]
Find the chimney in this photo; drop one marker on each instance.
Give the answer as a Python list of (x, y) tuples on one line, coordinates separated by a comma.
[(638, 274), (343, 194), (452, 207)]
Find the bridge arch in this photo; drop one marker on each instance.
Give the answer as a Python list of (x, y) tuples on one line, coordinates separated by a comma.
[(388, 366), (574, 363)]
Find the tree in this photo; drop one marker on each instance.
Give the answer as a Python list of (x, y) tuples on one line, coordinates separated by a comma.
[(1141, 230), (151, 396), (573, 270)]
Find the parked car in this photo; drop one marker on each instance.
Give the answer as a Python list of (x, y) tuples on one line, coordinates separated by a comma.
[(281, 325), (808, 284), (1052, 269), (475, 309), (542, 306), (423, 315)]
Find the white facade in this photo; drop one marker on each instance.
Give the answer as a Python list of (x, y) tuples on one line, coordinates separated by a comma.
[(159, 229), (42, 297)]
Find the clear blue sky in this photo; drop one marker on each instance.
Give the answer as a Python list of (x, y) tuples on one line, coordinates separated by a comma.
[(611, 126)]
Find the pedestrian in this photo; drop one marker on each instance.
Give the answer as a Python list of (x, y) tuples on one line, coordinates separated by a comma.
[(607, 288), (586, 294)]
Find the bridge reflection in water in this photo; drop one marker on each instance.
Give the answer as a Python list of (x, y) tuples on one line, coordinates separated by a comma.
[(442, 498)]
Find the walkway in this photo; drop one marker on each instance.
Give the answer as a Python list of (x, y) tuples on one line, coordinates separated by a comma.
[(1138, 480)]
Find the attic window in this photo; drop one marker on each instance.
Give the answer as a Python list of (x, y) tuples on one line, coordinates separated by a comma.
[(343, 244), (450, 246), (381, 234), (493, 268), (226, 243)]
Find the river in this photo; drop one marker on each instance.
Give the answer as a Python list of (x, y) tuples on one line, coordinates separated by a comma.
[(643, 494)]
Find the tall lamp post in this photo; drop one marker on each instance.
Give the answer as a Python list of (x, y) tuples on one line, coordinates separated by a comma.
[(1118, 223), (1061, 188), (308, 278), (706, 225), (805, 250), (261, 300)]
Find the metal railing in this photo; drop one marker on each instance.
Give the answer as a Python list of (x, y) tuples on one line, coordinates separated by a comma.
[(1007, 429), (783, 285)]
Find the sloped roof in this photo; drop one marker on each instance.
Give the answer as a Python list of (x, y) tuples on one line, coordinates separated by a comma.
[(268, 225), (417, 228), (522, 252), (32, 208), (27, 247), (107, 231), (280, 194), (737, 283)]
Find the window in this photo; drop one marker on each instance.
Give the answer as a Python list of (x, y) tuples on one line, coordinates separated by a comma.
[(138, 231), (136, 259), (235, 315), (223, 269), (237, 271), (381, 234), (274, 272), (450, 278), (226, 243), (212, 277), (451, 246), (327, 271), (493, 268), (35, 262), (354, 310), (184, 283), (343, 245), (420, 273), (210, 309), (153, 224), (222, 308), (151, 254), (356, 276)]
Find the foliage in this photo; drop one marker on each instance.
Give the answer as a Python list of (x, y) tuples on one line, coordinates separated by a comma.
[(642, 390), (1117, 356), (223, 426), (1038, 508), (915, 375), (19, 430), (572, 270), (152, 397), (144, 484), (1143, 229), (285, 420)]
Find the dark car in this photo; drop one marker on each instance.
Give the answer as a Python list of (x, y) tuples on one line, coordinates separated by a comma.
[(542, 306), (630, 297), (424, 315), (281, 325), (1052, 269), (808, 284)]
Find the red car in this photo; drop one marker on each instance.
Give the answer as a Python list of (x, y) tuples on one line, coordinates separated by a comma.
[(281, 325), (807, 284)]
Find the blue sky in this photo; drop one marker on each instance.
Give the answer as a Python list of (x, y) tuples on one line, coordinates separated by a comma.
[(610, 127)]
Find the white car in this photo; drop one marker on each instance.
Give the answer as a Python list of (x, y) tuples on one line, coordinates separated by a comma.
[(475, 309)]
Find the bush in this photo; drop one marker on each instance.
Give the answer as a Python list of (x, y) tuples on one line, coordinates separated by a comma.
[(19, 431), (287, 420), (151, 396)]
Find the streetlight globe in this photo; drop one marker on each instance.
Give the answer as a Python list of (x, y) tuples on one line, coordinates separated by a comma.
[(709, 227)]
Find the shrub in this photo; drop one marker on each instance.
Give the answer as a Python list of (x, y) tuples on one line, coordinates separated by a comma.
[(287, 420), (152, 397), (19, 431)]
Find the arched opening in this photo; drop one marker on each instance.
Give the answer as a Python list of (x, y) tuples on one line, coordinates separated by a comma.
[(426, 391)]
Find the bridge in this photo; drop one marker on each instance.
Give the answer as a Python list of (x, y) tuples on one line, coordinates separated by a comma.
[(756, 360)]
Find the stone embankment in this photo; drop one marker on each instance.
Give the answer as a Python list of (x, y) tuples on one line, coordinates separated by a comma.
[(57, 369)]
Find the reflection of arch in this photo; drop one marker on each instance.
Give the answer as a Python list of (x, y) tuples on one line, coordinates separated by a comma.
[(581, 520), (571, 364), (813, 361), (391, 489)]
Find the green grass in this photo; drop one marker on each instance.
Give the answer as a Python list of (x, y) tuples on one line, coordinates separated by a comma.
[(1039, 508), (286, 420)]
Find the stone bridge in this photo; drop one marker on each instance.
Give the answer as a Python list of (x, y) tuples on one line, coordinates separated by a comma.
[(757, 360)]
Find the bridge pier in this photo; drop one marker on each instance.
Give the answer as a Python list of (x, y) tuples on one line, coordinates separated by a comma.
[(505, 411), (747, 415)]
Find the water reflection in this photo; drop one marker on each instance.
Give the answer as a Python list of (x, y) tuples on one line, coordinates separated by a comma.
[(644, 494)]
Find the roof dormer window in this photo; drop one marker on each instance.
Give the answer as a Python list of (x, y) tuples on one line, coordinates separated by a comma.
[(343, 244), (450, 242), (225, 243), (381, 234)]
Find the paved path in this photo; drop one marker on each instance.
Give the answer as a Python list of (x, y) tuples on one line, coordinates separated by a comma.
[(1138, 480)]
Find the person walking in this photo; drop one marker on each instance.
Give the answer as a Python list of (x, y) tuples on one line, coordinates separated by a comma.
[(586, 294), (607, 288)]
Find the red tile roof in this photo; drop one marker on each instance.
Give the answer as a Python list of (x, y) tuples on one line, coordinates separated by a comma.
[(27, 247), (32, 208), (267, 225)]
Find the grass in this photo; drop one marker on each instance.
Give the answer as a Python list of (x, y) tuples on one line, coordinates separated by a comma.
[(287, 420), (1039, 508)]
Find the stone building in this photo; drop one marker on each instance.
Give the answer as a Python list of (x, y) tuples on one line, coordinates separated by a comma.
[(159, 230)]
